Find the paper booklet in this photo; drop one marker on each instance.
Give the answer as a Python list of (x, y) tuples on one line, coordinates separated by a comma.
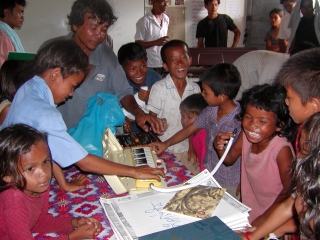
[(199, 201), (134, 216)]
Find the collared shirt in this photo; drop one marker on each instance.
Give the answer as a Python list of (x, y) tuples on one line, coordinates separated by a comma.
[(208, 119), (106, 75), (164, 100), (148, 29), (6, 46), (33, 105)]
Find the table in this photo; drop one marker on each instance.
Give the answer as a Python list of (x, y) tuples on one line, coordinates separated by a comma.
[(85, 202)]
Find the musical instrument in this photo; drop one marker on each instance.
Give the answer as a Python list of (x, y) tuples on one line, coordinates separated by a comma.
[(131, 149)]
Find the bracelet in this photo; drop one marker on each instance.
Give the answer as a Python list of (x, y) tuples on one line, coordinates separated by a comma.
[(247, 235)]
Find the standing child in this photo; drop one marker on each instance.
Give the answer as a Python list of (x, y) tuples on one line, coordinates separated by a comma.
[(220, 84), (265, 149), (190, 109), (25, 174), (167, 94), (133, 59), (300, 75), (271, 39)]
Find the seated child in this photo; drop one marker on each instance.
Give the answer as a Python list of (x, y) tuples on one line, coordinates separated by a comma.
[(25, 175), (133, 58), (60, 67), (265, 149), (190, 109), (167, 94), (220, 84), (13, 74), (300, 75)]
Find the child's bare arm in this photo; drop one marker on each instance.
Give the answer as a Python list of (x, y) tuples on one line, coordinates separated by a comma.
[(284, 160), (234, 152)]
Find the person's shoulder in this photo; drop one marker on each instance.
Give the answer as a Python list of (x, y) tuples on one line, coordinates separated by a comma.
[(11, 196), (204, 20)]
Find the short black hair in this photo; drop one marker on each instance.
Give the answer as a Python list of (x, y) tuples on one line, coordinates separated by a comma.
[(64, 54), (132, 51), (10, 4), (194, 103), (206, 2), (277, 11), (15, 141), (222, 78), (96, 8), (171, 44), (270, 98)]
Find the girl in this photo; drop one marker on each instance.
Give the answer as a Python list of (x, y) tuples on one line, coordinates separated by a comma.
[(271, 39), (25, 174), (190, 109), (306, 187), (264, 147)]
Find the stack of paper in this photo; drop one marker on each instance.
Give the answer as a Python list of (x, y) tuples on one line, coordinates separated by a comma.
[(139, 215)]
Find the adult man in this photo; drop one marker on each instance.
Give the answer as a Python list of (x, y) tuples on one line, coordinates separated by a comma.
[(284, 30), (212, 31), (151, 32), (11, 16)]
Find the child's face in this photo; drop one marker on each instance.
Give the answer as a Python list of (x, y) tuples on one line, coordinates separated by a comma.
[(259, 125), (36, 168), (178, 62), (187, 118), (209, 96), (297, 110), (62, 89), (212, 7), (136, 71), (275, 20)]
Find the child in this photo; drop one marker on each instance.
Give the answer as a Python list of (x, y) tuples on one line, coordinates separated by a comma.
[(25, 174), (265, 149), (13, 74), (220, 84), (271, 39), (167, 94), (305, 186), (190, 109), (133, 58), (60, 67), (300, 75)]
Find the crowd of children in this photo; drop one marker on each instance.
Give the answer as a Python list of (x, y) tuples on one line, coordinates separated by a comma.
[(272, 167)]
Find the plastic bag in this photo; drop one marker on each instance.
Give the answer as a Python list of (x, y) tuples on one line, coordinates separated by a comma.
[(103, 111)]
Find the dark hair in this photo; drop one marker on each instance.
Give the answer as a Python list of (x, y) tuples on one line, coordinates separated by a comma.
[(283, 1), (64, 54), (194, 103), (96, 8), (301, 72), (309, 1), (10, 4), (13, 74), (277, 11), (15, 141), (270, 98), (131, 52), (172, 44), (306, 178), (206, 2), (222, 78)]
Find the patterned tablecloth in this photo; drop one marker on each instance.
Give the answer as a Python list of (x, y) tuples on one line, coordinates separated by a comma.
[(85, 202)]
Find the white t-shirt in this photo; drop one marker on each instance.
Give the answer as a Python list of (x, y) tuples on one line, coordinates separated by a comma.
[(148, 29), (284, 31), (259, 67)]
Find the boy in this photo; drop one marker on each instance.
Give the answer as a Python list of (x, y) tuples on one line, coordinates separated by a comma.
[(300, 75), (167, 94), (213, 29), (133, 59), (220, 84), (60, 67), (11, 16)]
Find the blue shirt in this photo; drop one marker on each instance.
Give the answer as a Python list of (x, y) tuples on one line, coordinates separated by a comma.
[(33, 105)]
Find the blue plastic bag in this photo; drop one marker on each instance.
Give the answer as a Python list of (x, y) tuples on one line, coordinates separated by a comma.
[(103, 111)]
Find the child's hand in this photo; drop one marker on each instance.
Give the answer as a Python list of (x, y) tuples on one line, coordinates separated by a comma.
[(192, 155), (77, 222), (158, 147), (127, 126), (221, 140), (85, 231), (76, 183), (143, 94)]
